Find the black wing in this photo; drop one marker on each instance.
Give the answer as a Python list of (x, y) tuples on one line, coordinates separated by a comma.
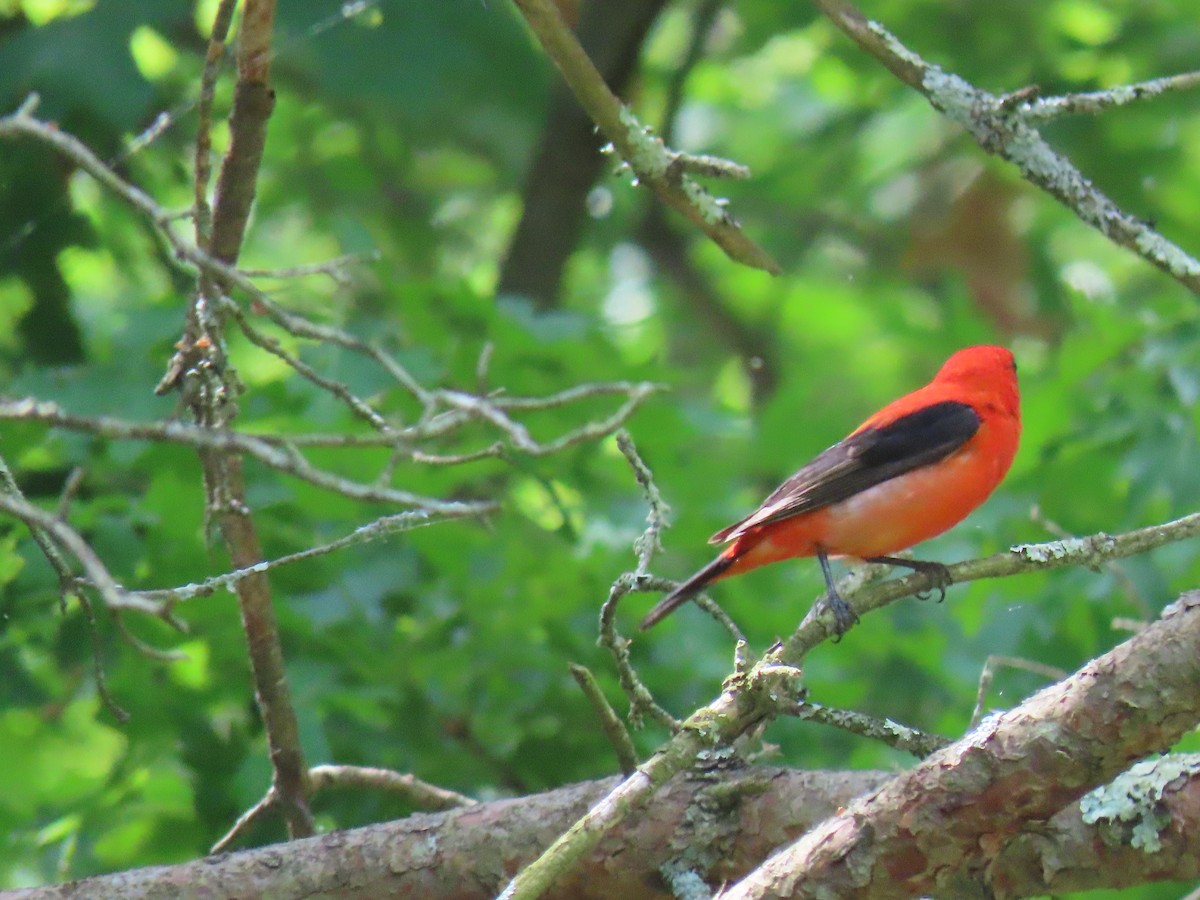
[(863, 460)]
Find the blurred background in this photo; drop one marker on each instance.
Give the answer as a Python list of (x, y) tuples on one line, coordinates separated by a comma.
[(436, 135)]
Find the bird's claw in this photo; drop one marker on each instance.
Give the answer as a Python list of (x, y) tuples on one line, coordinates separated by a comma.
[(940, 575), (844, 618)]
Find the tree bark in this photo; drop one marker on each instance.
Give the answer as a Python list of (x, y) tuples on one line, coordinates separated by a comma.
[(937, 829), (726, 820)]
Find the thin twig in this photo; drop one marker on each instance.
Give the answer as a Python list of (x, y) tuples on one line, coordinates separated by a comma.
[(649, 542), (444, 411), (641, 701), (275, 453), (10, 488), (244, 823), (614, 729), (106, 696), (147, 650), (335, 268), (658, 519), (65, 537), (988, 672), (900, 737), (1092, 102), (208, 83), (421, 794), (70, 488), (271, 345), (380, 528)]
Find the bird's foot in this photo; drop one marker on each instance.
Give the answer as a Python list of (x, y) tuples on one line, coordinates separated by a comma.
[(844, 618), (938, 573)]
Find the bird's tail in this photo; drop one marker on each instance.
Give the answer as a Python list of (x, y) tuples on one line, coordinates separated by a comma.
[(687, 591)]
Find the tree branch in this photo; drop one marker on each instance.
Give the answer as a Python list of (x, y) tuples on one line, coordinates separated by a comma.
[(421, 794), (1093, 102), (210, 385), (454, 854), (55, 530), (937, 827), (1006, 129), (744, 703), (651, 161), (610, 722), (567, 160)]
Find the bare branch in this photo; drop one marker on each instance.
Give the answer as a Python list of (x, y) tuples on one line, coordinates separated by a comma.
[(335, 268), (421, 794), (435, 421), (658, 519), (244, 823), (271, 345), (46, 543), (208, 83), (742, 704), (147, 650), (22, 122), (995, 661), (106, 696), (1005, 129), (900, 737), (1138, 698), (651, 161), (614, 728), (1092, 102), (382, 527), (641, 701), (59, 533), (275, 452)]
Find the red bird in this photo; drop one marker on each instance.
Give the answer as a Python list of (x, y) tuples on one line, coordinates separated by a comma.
[(914, 469)]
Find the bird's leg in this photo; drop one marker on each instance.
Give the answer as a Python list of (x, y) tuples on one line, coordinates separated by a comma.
[(935, 570), (843, 616)]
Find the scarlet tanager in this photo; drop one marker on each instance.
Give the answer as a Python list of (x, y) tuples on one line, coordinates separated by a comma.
[(914, 469)]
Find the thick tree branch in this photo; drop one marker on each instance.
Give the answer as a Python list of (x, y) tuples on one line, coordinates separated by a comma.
[(746, 700), (467, 853), (935, 829)]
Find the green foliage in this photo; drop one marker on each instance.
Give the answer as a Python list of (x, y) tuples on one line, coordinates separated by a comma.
[(443, 651)]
